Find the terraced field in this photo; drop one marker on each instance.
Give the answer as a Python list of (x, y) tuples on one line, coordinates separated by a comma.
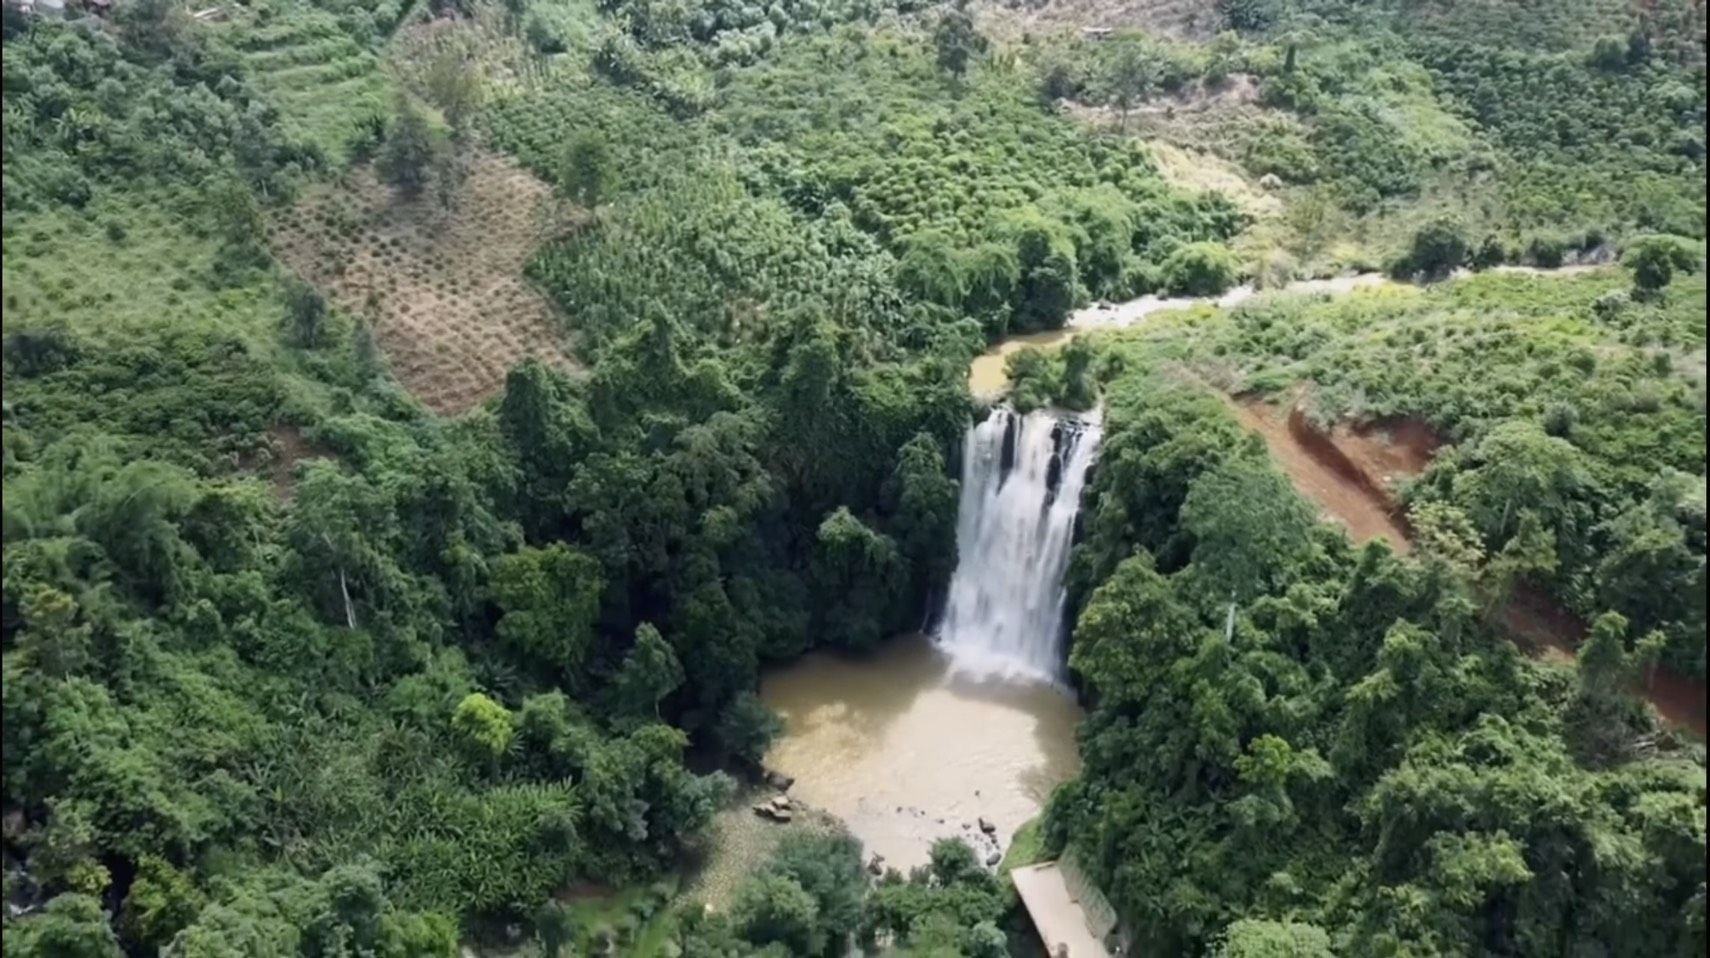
[(324, 82)]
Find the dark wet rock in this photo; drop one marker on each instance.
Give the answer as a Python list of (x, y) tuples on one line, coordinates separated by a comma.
[(987, 826), (993, 858), (779, 781), (876, 865)]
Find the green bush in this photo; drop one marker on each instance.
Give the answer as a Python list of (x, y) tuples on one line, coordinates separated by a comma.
[(1200, 269)]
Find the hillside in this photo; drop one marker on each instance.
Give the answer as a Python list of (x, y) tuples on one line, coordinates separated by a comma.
[(424, 422)]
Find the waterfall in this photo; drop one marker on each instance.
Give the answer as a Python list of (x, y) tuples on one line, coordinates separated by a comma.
[(1022, 478)]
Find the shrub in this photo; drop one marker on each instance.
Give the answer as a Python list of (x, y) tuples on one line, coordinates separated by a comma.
[(1655, 259), (1200, 269), (1437, 250)]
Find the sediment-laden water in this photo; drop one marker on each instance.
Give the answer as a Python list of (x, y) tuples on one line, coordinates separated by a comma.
[(905, 750)]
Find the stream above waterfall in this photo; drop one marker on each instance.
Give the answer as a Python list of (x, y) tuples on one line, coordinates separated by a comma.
[(987, 376)]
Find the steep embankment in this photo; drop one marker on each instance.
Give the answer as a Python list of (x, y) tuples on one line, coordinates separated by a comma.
[(1351, 473), (1342, 473)]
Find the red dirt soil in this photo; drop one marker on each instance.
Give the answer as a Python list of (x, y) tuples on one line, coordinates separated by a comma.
[(1350, 471), (1343, 475), (1542, 629), (292, 447)]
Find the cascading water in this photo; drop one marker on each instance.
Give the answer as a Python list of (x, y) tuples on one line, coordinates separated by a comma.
[(1022, 477)]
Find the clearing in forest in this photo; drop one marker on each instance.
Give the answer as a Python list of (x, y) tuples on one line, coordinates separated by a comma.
[(1200, 171), (442, 283), (1351, 471), (286, 447), (742, 843)]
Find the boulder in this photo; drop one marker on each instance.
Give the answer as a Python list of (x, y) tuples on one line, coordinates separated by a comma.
[(782, 802), (993, 858), (988, 826), (876, 865), (779, 781), (772, 812)]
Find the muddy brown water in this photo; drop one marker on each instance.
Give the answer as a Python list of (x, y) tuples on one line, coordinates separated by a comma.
[(905, 751)]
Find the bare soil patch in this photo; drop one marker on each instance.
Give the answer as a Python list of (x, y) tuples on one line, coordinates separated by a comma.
[(1351, 470), (289, 447), (442, 284), (1376, 456), (1344, 474), (1543, 629), (286, 446)]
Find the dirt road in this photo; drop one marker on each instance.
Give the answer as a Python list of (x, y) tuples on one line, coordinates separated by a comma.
[(1349, 474)]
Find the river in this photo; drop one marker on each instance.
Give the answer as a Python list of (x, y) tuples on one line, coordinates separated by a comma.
[(923, 740), (904, 749), (987, 378), (920, 741)]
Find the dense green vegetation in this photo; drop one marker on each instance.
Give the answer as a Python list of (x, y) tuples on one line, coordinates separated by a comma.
[(813, 896), (1541, 130), (1348, 749), (293, 667), (1585, 393)]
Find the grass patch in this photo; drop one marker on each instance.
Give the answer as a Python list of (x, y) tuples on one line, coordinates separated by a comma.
[(1026, 848), (126, 262), (638, 919)]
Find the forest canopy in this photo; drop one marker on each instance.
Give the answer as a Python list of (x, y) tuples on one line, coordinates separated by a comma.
[(299, 663)]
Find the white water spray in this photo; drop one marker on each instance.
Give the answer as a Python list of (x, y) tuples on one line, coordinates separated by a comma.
[(1022, 478)]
